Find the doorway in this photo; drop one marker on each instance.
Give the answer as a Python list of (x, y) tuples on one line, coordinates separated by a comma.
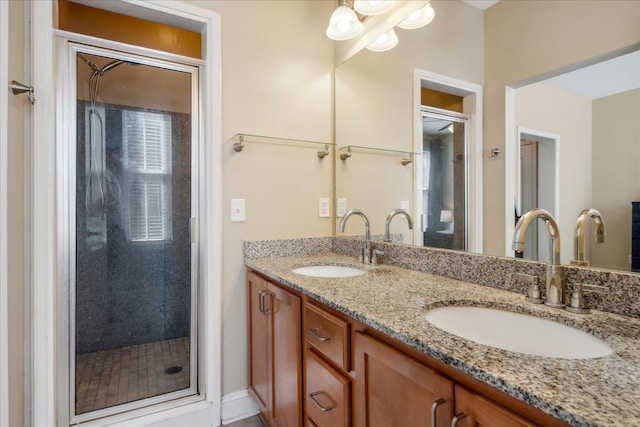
[(538, 187), (133, 194), (444, 180)]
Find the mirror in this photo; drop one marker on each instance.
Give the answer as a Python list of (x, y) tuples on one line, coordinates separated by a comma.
[(586, 119), (377, 106), (374, 95)]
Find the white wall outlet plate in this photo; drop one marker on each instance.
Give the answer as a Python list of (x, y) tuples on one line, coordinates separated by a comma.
[(342, 207), (238, 210), (323, 207), (404, 204)]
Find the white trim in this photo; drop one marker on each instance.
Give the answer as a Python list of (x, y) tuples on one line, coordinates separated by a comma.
[(473, 93), (238, 406), (4, 141), (43, 219), (510, 173)]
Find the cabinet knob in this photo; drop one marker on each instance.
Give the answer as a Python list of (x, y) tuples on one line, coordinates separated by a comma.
[(456, 418), (434, 408), (316, 335), (318, 404)]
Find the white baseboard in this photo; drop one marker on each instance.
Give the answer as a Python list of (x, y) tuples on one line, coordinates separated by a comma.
[(237, 406)]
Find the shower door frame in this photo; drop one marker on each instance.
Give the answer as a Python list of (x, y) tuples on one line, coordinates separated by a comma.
[(67, 228)]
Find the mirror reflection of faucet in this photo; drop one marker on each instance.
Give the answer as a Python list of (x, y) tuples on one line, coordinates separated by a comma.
[(579, 236), (392, 214), (554, 283)]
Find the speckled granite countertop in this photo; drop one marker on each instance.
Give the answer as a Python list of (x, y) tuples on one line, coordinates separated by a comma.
[(587, 392)]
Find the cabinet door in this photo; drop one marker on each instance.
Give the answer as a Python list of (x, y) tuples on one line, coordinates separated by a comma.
[(259, 372), (285, 332), (473, 410), (393, 389)]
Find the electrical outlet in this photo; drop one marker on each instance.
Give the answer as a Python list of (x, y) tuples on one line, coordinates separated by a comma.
[(404, 204), (342, 207), (323, 207)]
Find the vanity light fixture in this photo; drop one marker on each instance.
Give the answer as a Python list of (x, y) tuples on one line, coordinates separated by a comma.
[(372, 7), (419, 18), (344, 24), (384, 42)]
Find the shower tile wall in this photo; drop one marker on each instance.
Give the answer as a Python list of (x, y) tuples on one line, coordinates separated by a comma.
[(131, 293)]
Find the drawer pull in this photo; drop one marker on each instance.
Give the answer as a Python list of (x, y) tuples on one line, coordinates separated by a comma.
[(312, 423), (456, 418), (318, 404), (316, 335), (434, 408)]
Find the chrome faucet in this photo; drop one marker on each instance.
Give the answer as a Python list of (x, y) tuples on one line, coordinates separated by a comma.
[(581, 224), (387, 234), (366, 255), (554, 282)]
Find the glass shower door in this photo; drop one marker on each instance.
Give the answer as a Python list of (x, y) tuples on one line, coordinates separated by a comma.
[(133, 296)]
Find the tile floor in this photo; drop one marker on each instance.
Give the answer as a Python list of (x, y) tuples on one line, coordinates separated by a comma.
[(248, 422), (112, 377)]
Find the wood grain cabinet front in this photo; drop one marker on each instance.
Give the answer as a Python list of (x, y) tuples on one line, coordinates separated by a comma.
[(327, 394), (275, 351), (393, 389), (329, 335), (473, 410)]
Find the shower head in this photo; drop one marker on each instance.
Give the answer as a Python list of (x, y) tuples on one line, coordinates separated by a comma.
[(93, 66), (100, 71)]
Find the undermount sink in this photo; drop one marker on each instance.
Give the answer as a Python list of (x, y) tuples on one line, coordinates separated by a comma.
[(328, 271), (518, 332)]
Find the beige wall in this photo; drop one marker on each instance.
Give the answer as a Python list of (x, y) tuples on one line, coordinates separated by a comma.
[(17, 216), (616, 135), (374, 108), (524, 39), (276, 81), (545, 108)]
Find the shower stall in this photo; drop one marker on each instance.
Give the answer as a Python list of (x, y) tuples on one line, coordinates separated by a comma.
[(132, 258)]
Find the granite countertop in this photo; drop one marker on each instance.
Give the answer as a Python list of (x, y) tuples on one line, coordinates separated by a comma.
[(582, 392)]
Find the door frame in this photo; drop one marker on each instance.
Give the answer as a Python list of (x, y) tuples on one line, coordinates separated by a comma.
[(4, 141), (472, 106), (69, 45), (45, 247)]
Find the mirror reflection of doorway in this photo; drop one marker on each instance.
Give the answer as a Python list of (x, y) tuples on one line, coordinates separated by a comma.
[(444, 197), (538, 188)]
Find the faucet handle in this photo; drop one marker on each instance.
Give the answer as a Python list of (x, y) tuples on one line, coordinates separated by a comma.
[(375, 256), (533, 293), (577, 304)]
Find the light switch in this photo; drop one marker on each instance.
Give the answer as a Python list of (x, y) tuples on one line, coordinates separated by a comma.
[(238, 210)]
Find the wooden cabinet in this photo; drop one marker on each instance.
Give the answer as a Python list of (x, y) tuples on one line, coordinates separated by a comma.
[(393, 389), (473, 410), (354, 375), (275, 351)]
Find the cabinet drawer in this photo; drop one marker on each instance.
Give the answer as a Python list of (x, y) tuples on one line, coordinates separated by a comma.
[(327, 394), (329, 335)]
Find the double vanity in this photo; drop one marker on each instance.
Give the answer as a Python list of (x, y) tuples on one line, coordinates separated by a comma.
[(428, 338)]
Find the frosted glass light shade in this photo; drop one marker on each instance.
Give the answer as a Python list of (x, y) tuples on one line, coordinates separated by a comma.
[(344, 24), (384, 42), (419, 18), (372, 7)]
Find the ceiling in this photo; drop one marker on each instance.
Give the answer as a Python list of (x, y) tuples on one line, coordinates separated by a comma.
[(481, 4), (606, 78)]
